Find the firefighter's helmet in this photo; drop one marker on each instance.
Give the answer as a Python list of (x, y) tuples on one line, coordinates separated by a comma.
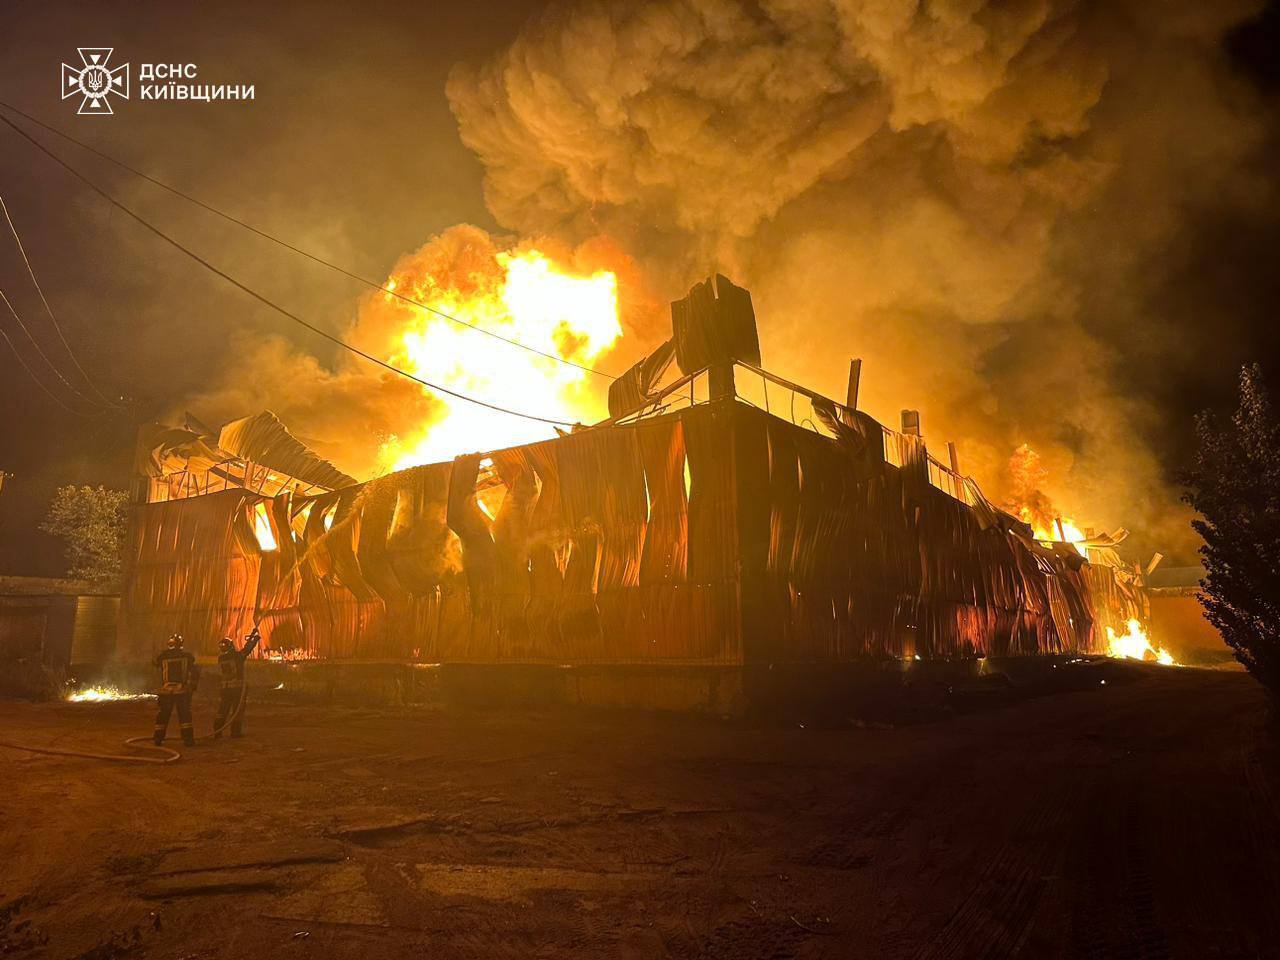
[(175, 642), (226, 645)]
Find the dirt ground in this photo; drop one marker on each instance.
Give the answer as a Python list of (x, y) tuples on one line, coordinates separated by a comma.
[(1134, 819)]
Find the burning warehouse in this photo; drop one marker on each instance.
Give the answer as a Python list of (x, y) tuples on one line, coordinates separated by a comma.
[(342, 369), (722, 530)]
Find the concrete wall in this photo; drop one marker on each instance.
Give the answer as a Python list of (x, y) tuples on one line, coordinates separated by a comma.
[(713, 690)]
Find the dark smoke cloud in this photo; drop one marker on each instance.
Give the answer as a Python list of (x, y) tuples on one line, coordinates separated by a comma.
[(989, 202), (344, 414)]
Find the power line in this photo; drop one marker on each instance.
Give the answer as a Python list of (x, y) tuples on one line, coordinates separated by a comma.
[(310, 256), (31, 373), (48, 309), (265, 300), (44, 356)]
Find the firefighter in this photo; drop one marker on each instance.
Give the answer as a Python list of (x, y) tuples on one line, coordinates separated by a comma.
[(232, 696), (179, 674)]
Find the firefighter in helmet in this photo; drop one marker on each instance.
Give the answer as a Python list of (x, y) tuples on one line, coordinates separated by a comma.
[(234, 691), (179, 674)]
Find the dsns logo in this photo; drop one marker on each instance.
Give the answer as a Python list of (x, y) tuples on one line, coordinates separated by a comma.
[(94, 81)]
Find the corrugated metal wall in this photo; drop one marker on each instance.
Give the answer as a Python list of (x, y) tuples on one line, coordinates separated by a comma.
[(93, 639), (653, 542), (191, 567), (845, 557), (610, 546)]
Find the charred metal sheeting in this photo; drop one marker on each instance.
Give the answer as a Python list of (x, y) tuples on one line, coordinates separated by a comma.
[(192, 567), (838, 568), (716, 534), (264, 439), (714, 325), (255, 453), (634, 389), (161, 450)]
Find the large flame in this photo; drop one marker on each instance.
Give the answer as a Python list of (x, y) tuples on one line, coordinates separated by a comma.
[(523, 296), (1058, 530), (1027, 477), (1134, 644)]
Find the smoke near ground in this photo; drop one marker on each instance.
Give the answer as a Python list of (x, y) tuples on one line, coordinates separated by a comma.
[(988, 202)]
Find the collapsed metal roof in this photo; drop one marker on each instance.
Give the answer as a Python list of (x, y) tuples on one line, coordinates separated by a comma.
[(256, 453)]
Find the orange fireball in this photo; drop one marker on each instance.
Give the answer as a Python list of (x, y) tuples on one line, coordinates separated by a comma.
[(522, 296)]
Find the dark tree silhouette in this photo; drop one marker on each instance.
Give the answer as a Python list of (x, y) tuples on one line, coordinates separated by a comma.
[(1235, 487)]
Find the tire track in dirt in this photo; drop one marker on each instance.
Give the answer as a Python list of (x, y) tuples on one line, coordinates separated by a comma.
[(1261, 822), (583, 882), (1114, 916), (994, 919)]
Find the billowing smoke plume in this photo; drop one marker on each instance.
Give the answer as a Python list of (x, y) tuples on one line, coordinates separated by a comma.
[(345, 414), (979, 199)]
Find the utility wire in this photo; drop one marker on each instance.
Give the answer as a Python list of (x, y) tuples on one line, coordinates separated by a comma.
[(44, 356), (31, 373), (310, 256), (49, 310), (263, 299)]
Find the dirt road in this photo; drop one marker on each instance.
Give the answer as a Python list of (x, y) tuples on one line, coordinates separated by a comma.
[(1128, 820)]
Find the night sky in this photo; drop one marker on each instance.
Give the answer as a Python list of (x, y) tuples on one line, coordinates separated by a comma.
[(351, 150), (348, 150)]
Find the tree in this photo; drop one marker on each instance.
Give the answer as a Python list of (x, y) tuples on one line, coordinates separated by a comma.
[(1235, 487), (92, 521)]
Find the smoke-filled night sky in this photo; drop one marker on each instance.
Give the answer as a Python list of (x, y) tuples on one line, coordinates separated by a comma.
[(1038, 222)]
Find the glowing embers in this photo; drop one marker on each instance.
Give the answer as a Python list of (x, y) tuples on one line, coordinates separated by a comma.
[(106, 695), (1134, 644), (290, 655), (262, 527)]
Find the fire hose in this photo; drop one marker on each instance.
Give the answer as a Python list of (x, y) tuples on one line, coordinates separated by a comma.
[(169, 755), (144, 743)]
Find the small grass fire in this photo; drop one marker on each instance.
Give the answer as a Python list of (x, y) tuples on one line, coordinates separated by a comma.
[(106, 694)]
